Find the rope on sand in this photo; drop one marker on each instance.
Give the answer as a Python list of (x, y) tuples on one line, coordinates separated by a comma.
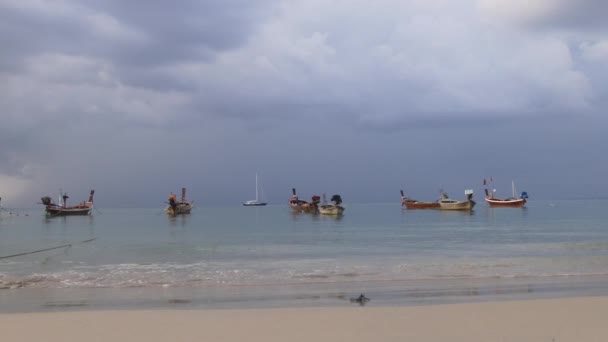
[(44, 250)]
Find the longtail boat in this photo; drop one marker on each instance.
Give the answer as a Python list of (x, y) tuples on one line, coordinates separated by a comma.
[(511, 202), (62, 209), (446, 203), (178, 208), (332, 209), (414, 204), (299, 205)]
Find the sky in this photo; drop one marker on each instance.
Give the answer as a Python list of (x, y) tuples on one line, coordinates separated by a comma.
[(361, 98)]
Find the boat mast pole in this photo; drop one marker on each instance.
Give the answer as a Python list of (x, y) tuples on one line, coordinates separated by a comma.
[(256, 186), (513, 188)]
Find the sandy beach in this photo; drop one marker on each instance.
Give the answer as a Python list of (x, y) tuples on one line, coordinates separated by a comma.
[(569, 319)]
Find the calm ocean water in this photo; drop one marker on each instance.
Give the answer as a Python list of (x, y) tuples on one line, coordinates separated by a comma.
[(271, 246)]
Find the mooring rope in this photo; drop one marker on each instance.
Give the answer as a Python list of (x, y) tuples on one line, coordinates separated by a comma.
[(46, 249)]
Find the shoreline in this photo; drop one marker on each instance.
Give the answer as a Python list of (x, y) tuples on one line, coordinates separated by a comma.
[(551, 320), (313, 295)]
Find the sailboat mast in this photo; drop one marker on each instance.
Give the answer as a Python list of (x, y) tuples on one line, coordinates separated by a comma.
[(256, 187), (513, 188)]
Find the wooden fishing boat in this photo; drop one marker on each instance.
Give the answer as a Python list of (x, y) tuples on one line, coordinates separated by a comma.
[(332, 209), (62, 209), (299, 205), (506, 203), (512, 202), (178, 208), (414, 204), (446, 203)]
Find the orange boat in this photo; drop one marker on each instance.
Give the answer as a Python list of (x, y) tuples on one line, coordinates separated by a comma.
[(299, 205), (512, 202), (413, 204)]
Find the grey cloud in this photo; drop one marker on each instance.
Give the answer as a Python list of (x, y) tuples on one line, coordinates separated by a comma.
[(130, 34), (185, 31), (152, 96), (580, 14), (20, 145), (560, 15)]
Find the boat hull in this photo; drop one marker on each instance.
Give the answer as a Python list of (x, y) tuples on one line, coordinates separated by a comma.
[(331, 210), (303, 208), (69, 211), (421, 205), (180, 209), (456, 205), (506, 203), (254, 203)]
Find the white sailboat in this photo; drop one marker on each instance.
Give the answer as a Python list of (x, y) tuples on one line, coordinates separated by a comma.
[(256, 202)]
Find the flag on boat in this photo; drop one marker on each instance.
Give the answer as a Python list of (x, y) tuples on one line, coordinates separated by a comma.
[(484, 181)]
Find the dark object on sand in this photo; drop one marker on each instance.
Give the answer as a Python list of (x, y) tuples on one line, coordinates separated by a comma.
[(361, 300)]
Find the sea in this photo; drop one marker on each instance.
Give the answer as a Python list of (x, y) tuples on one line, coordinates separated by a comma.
[(242, 257)]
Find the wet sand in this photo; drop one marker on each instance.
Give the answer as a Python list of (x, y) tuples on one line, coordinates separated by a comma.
[(567, 319), (383, 293)]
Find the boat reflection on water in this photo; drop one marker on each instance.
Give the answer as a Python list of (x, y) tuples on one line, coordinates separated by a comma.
[(335, 218), (303, 215), (453, 213), (181, 220)]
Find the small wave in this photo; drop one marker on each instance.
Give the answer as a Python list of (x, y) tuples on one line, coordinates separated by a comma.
[(65, 304), (311, 276), (349, 274), (596, 246), (17, 283), (320, 274), (202, 274)]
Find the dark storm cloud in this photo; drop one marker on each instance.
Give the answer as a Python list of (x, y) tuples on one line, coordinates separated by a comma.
[(135, 36), (11, 165), (356, 97), (186, 30), (19, 145)]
